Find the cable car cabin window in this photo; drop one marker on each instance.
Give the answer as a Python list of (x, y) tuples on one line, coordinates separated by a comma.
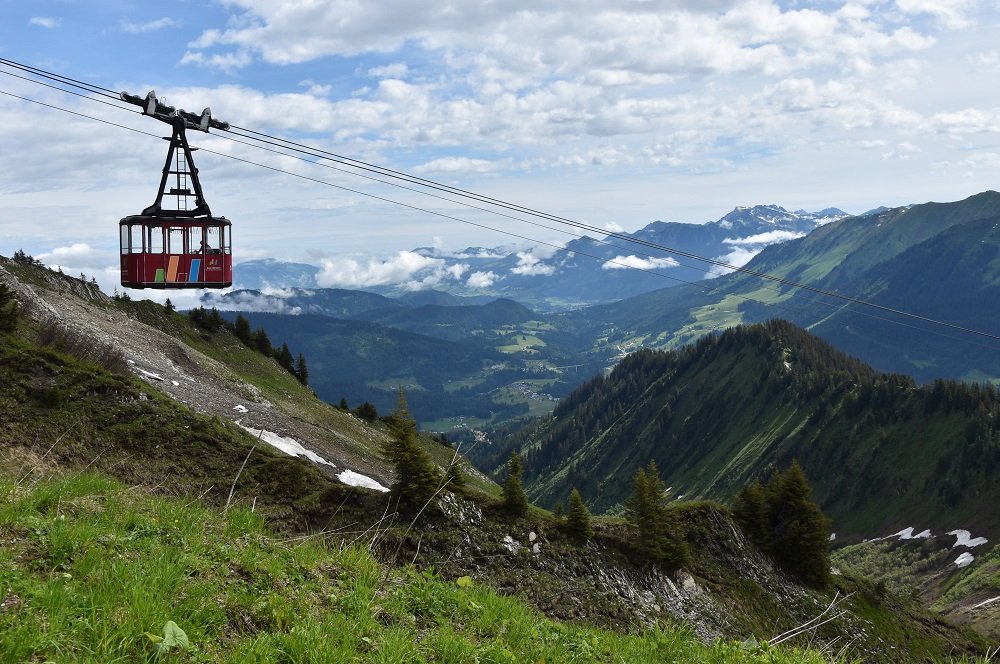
[(154, 245), (124, 239), (195, 240), (213, 239), (135, 244), (175, 241)]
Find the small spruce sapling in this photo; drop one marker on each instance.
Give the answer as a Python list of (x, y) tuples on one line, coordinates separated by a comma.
[(515, 502), (578, 518)]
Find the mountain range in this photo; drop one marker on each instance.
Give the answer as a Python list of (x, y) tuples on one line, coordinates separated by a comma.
[(587, 270), (912, 290)]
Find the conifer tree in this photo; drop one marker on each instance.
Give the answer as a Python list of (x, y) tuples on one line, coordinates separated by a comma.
[(301, 370), (169, 306), (578, 518), (658, 536), (750, 510), (784, 523), (515, 502), (418, 478), (242, 330), (800, 530), (262, 342), (285, 359), (367, 411), (454, 476)]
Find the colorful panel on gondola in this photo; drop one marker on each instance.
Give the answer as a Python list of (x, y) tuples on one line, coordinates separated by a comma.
[(195, 270), (172, 268)]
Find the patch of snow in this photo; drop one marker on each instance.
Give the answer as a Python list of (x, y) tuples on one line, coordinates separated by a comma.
[(289, 446), (964, 560), (907, 533), (240, 408), (149, 374), (981, 604), (175, 383), (357, 479), (964, 538), (833, 536)]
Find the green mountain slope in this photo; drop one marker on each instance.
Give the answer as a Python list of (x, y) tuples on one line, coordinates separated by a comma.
[(936, 260), (881, 452)]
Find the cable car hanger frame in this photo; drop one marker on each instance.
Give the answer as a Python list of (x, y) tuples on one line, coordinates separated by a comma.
[(184, 247)]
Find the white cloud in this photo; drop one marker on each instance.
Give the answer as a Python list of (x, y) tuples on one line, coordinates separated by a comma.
[(150, 26), (455, 165), (613, 227), (770, 237), (227, 62), (66, 255), (269, 302), (395, 70), (529, 265), (738, 257), (482, 279), (44, 22), (952, 13), (405, 266), (636, 263), (82, 259)]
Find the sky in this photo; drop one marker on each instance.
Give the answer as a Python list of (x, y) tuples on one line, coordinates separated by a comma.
[(613, 114)]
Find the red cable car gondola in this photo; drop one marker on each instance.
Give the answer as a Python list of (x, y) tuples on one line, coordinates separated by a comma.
[(185, 247)]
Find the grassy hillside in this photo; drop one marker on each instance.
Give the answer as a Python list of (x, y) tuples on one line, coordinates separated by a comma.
[(925, 567), (95, 572), (881, 452)]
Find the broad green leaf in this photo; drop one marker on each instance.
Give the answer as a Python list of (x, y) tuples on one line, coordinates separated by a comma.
[(174, 636)]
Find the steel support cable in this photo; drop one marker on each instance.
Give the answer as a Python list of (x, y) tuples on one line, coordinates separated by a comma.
[(69, 92), (60, 78), (671, 250), (722, 264), (422, 192)]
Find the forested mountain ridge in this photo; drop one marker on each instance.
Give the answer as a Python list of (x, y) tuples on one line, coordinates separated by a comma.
[(881, 451)]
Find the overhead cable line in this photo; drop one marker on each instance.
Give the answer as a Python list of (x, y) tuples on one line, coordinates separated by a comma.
[(96, 89), (700, 285), (529, 211)]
